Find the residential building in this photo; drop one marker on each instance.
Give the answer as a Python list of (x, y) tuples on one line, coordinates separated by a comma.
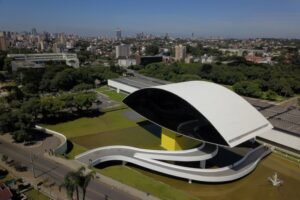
[(122, 51), (180, 52), (118, 34), (3, 42)]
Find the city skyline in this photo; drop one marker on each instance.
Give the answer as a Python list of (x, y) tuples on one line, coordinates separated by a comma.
[(229, 19)]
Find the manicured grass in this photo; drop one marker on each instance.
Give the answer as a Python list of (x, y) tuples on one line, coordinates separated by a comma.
[(76, 150), (144, 183), (254, 186), (112, 93), (35, 195), (108, 121), (132, 136)]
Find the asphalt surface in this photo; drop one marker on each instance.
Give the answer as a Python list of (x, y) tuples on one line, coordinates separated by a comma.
[(54, 171)]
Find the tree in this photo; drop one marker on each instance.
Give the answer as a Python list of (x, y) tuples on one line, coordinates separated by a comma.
[(82, 87), (50, 106), (84, 100), (64, 80), (33, 106), (85, 180), (70, 184), (271, 95), (247, 88), (206, 68), (75, 180), (152, 50)]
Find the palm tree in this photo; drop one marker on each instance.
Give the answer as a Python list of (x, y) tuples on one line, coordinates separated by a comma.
[(85, 179), (75, 180), (71, 182)]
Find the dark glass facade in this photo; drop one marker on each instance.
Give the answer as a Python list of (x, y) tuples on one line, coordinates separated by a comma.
[(170, 111)]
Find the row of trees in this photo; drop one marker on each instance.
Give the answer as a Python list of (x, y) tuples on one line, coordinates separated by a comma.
[(261, 81), (54, 93), (60, 77), (19, 115)]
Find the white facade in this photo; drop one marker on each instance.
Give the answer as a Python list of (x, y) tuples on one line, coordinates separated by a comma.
[(120, 86), (70, 58), (207, 59), (126, 62)]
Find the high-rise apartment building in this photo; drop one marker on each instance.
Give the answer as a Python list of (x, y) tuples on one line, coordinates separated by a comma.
[(33, 31), (118, 34), (3, 42), (122, 51), (180, 52)]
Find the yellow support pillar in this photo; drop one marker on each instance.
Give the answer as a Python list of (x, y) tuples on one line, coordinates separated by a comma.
[(172, 141)]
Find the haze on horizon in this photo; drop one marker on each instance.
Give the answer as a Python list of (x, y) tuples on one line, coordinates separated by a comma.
[(229, 19)]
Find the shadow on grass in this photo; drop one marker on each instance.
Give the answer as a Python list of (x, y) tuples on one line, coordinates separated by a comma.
[(70, 147), (150, 127), (108, 164), (67, 116)]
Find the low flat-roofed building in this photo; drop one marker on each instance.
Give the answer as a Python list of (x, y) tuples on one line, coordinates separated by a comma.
[(70, 58)]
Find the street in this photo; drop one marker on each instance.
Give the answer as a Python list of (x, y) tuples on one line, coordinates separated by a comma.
[(55, 172)]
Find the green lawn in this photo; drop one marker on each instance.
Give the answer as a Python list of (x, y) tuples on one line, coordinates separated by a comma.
[(111, 93), (144, 183), (108, 121), (113, 128), (133, 136), (76, 150), (35, 195)]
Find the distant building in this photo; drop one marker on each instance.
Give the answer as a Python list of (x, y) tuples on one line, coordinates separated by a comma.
[(145, 60), (180, 52), (3, 42), (207, 59), (189, 59), (258, 59), (126, 62), (62, 38), (37, 60), (33, 31), (122, 51), (118, 34)]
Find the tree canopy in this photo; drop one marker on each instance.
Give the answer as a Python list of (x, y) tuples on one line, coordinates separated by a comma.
[(262, 81)]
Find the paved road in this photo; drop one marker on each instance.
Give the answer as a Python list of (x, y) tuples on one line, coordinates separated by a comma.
[(52, 170)]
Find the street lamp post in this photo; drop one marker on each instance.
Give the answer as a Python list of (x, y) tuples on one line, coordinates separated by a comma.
[(32, 164)]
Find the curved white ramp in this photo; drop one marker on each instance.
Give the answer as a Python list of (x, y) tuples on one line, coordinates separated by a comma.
[(151, 159)]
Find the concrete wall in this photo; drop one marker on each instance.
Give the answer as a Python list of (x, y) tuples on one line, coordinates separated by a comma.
[(121, 87), (62, 148)]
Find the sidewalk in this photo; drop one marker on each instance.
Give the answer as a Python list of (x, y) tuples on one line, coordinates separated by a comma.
[(74, 165), (49, 189)]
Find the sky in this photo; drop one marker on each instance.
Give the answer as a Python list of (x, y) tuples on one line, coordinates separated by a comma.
[(213, 18)]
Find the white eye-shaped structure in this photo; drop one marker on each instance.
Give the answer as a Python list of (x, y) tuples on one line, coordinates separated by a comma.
[(202, 110)]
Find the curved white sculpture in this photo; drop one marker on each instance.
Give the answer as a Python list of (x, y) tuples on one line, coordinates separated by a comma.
[(232, 116)]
